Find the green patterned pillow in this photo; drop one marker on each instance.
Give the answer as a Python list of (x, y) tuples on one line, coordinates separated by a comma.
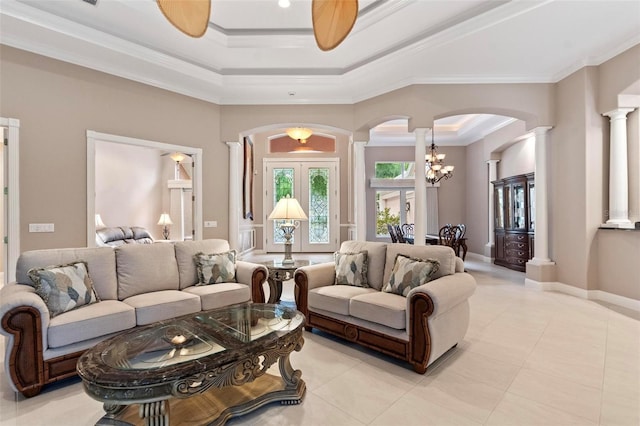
[(64, 287), (351, 268), (216, 267), (409, 273)]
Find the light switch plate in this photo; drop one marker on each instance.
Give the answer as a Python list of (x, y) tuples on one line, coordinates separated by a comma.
[(210, 223), (41, 227)]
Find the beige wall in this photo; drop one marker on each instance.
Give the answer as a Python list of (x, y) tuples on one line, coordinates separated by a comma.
[(518, 159), (57, 103), (2, 246), (619, 75)]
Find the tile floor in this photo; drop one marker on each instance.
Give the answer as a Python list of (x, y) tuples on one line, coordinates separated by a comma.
[(529, 358)]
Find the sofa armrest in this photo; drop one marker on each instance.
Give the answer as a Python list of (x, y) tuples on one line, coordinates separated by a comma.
[(254, 275), (445, 292), (25, 320), (310, 277)]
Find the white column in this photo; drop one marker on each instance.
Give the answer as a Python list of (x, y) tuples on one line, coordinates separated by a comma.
[(541, 247), (618, 169), (359, 190), (235, 161), (493, 175), (420, 225)]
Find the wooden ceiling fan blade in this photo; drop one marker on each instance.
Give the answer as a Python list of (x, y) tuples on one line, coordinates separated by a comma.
[(332, 21), (189, 16)]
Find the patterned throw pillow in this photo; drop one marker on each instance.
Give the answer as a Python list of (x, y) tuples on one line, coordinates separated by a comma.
[(64, 287), (216, 267), (409, 273), (351, 268)]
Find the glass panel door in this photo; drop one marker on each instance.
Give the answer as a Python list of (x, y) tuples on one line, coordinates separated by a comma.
[(313, 184)]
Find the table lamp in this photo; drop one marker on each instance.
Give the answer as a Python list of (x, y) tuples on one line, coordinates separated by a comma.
[(165, 221), (289, 210)]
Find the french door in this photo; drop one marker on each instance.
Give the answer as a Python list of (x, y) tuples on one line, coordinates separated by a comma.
[(315, 185)]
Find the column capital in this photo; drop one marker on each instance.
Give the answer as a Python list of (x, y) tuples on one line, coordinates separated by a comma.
[(541, 130), (492, 161), (359, 142), (233, 143), (618, 113)]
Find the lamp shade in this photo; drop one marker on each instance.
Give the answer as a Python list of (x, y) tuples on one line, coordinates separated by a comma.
[(165, 219), (299, 133), (288, 208)]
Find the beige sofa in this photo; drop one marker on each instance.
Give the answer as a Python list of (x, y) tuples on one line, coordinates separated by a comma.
[(418, 328), (136, 284)]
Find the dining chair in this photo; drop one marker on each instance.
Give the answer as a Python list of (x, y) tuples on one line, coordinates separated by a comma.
[(449, 236), (407, 230), (399, 234), (392, 233)]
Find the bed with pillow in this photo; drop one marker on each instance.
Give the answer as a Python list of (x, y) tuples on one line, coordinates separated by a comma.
[(407, 301), (64, 301)]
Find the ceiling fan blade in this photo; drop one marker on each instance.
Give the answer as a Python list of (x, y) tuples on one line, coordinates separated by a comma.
[(332, 21), (189, 16)]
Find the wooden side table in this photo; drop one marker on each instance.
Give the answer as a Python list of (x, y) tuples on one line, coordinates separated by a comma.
[(279, 272)]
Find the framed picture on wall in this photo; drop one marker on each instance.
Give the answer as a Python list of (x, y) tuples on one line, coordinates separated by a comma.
[(247, 180)]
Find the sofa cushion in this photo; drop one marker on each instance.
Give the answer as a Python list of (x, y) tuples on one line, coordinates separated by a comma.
[(92, 321), (219, 295), (161, 305), (410, 273), (376, 254), (382, 308), (443, 254), (214, 268), (184, 252), (335, 298), (101, 262), (145, 268), (64, 287), (351, 269)]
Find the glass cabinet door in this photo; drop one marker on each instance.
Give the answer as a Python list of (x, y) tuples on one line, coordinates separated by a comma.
[(532, 206), (499, 206), (519, 214)]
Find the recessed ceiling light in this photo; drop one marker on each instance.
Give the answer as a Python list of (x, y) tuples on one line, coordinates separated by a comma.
[(284, 3)]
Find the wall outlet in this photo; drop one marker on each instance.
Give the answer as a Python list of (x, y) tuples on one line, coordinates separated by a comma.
[(41, 227), (210, 223)]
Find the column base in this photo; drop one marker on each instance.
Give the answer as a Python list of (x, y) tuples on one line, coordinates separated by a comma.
[(618, 224), (541, 270)]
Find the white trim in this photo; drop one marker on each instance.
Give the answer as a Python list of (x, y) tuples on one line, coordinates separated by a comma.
[(12, 205), (598, 295), (93, 137)]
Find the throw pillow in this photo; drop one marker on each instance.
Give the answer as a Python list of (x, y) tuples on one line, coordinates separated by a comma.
[(409, 273), (64, 287), (351, 268), (216, 267)]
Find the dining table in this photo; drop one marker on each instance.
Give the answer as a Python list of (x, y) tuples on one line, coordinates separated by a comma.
[(434, 239)]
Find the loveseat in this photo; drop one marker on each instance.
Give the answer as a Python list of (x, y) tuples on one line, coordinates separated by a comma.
[(135, 284), (119, 235), (417, 327)]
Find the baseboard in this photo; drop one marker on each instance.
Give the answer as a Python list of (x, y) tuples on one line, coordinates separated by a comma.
[(479, 257), (599, 295)]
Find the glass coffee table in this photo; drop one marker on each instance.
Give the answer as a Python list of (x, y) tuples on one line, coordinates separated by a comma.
[(202, 368)]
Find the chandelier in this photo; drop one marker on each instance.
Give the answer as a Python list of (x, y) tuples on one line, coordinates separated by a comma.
[(301, 134), (436, 170)]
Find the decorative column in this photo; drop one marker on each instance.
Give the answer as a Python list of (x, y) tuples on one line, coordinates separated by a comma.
[(359, 191), (493, 175), (420, 225), (541, 248), (235, 161), (618, 170)]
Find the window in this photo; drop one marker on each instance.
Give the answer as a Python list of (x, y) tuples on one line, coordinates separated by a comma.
[(393, 207), (394, 170)]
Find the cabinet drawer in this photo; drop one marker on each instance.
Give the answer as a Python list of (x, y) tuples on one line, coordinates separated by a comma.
[(517, 245), (516, 261), (516, 237), (524, 254)]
